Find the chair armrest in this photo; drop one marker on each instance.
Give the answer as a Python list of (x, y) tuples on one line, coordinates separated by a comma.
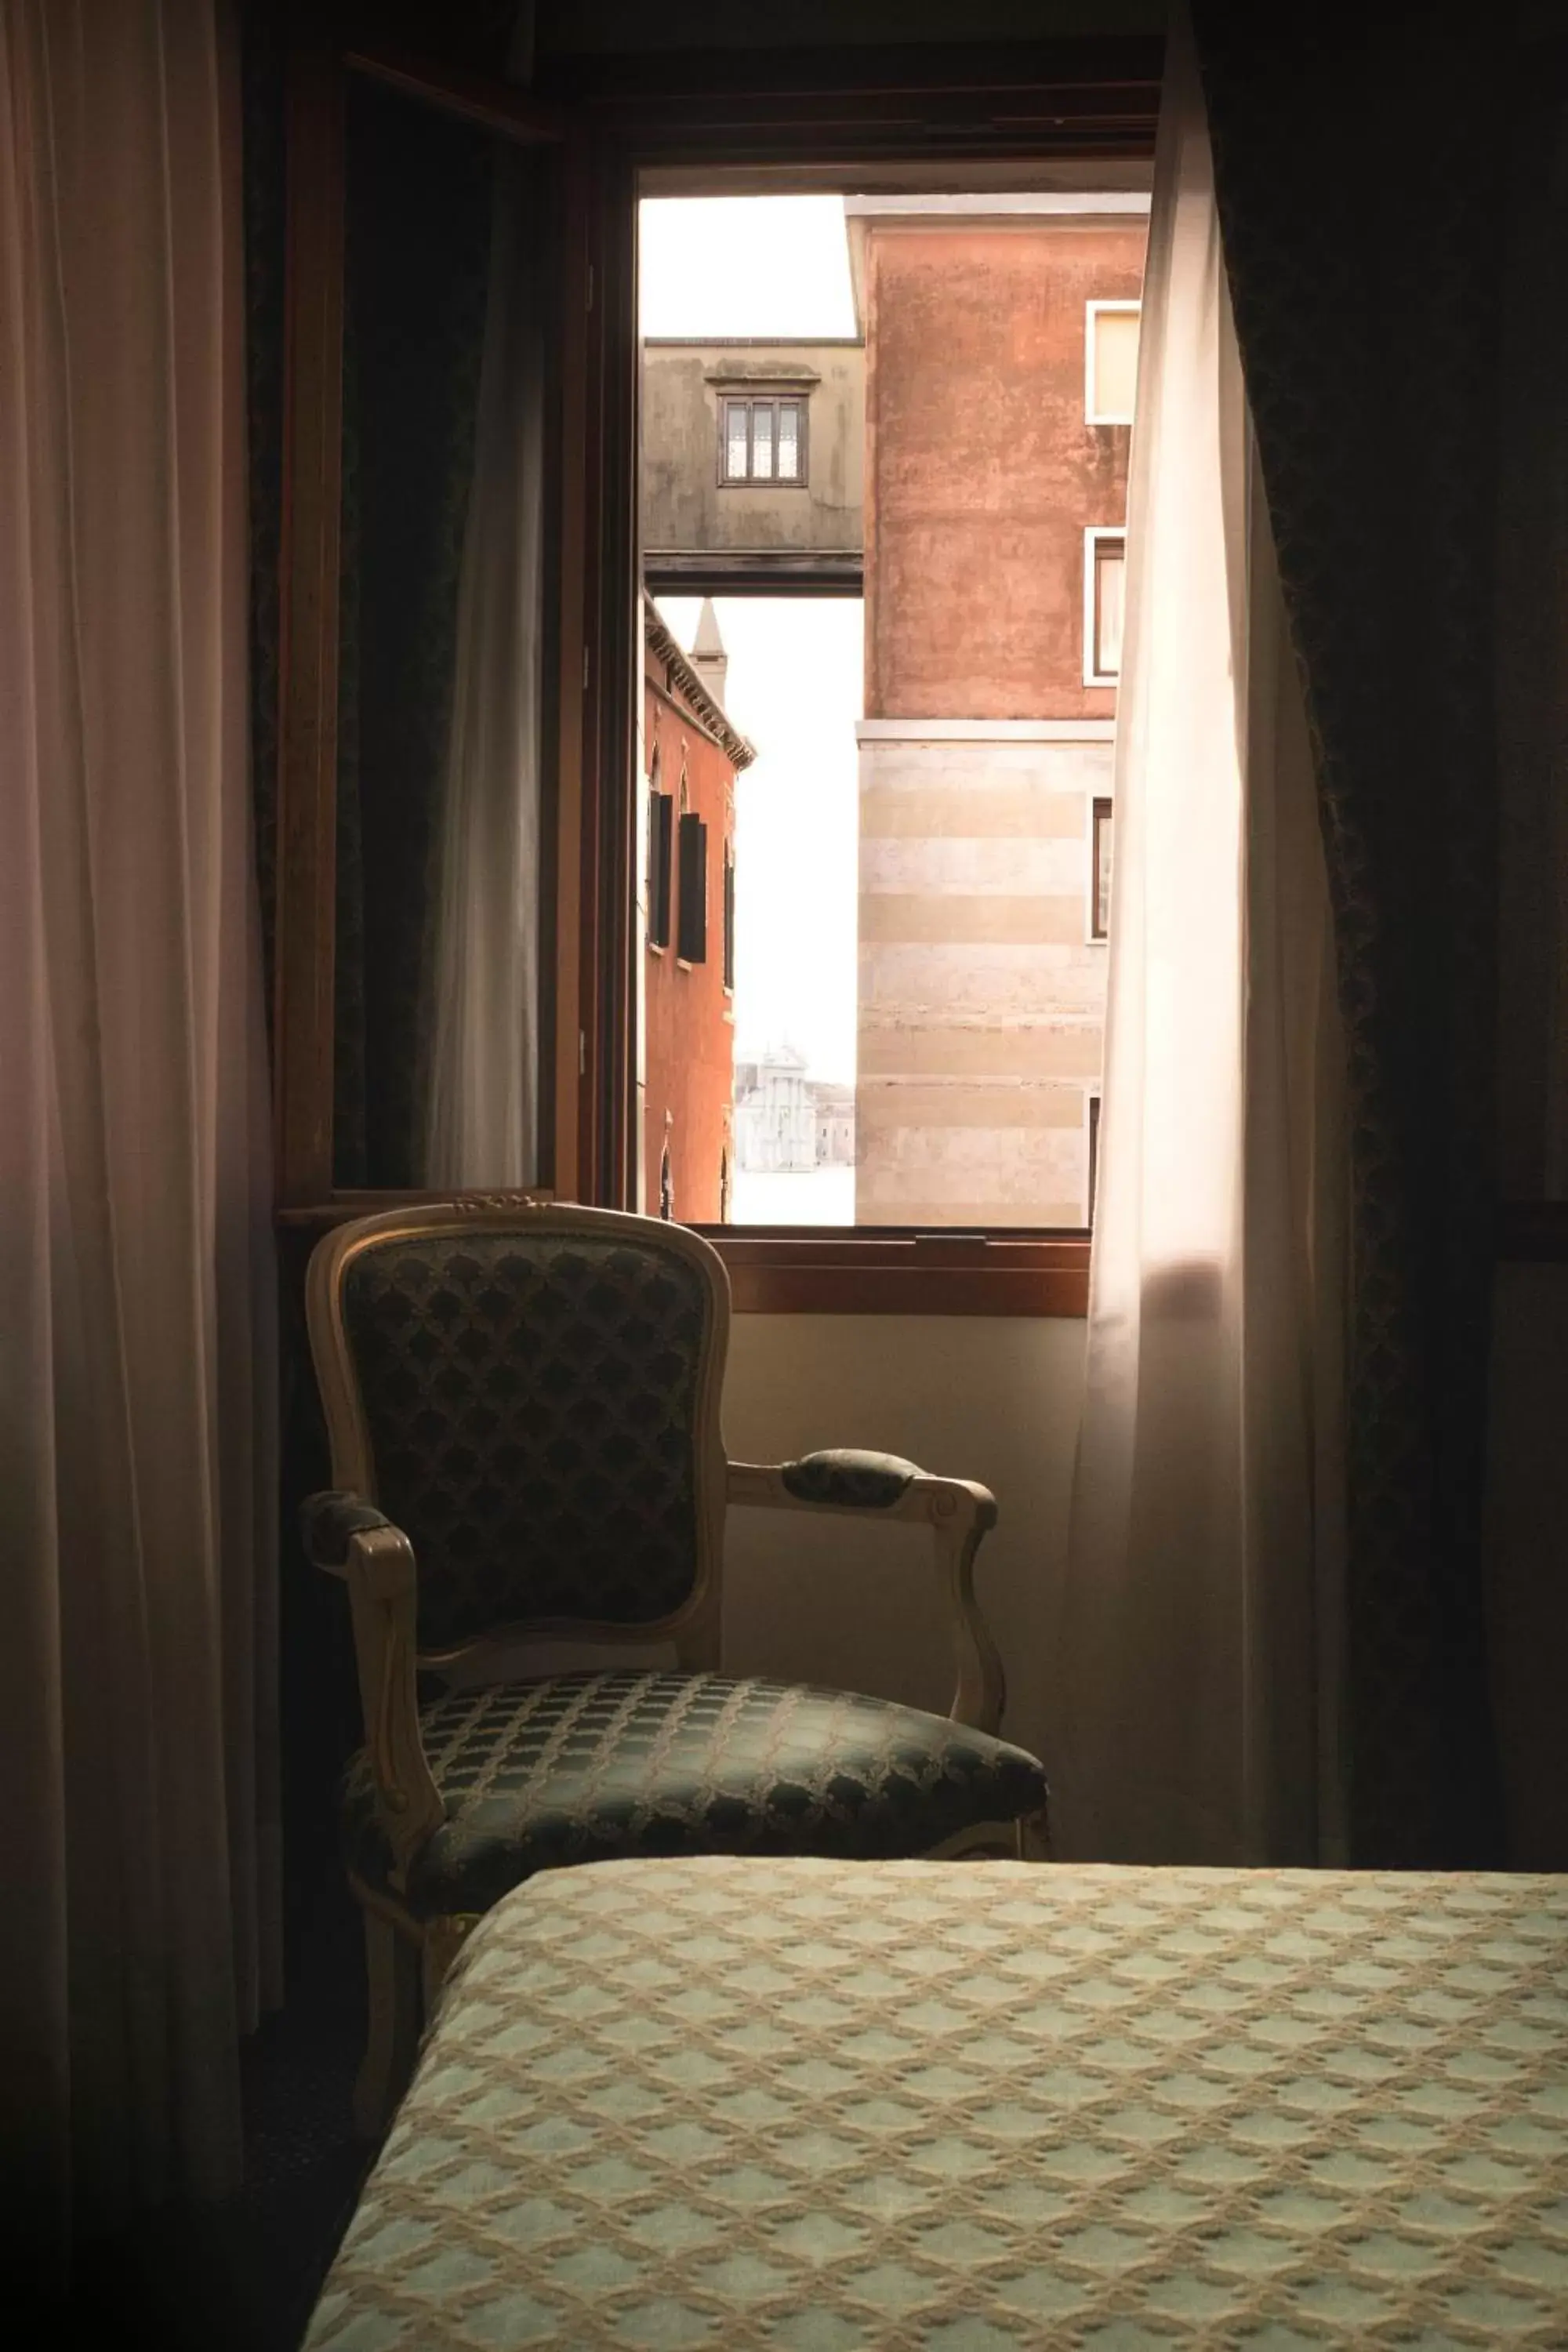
[(847, 1475), (959, 1513), (327, 1520), (847, 1478), (351, 1539)]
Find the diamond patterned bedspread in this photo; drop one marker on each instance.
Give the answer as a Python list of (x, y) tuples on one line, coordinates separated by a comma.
[(969, 2108)]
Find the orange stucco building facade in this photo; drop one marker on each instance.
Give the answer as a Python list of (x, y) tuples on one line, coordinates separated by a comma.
[(691, 758), (998, 401)]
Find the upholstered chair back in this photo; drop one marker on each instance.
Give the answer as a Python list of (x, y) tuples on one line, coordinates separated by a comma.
[(531, 1393)]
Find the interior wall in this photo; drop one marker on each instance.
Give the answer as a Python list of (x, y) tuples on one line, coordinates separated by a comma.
[(839, 1601)]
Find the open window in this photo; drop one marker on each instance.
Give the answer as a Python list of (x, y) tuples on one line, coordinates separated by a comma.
[(610, 873), (455, 696)]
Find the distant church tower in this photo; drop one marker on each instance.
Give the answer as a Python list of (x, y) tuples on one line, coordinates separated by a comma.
[(707, 657)]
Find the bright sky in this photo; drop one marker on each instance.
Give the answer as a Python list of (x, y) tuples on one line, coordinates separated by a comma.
[(794, 690), (744, 266), (778, 266)]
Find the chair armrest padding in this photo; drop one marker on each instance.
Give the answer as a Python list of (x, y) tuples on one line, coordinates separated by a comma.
[(327, 1520), (849, 1477)]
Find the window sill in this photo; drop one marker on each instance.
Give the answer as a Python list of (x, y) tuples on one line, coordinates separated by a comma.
[(889, 1272), (806, 1270)]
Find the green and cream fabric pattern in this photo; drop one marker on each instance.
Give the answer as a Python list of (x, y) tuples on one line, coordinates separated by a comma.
[(532, 1400), (817, 2105), (590, 1766)]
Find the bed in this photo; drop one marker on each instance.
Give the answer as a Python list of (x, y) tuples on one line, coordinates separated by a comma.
[(974, 2107)]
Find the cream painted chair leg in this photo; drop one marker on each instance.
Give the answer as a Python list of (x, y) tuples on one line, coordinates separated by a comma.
[(1034, 1831), (392, 1970), (444, 1939)]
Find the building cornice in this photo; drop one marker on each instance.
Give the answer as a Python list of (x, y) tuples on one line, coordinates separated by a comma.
[(711, 715)]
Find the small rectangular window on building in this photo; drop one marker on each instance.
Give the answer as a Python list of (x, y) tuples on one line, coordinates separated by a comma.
[(1104, 604), (660, 834), (1110, 362), (691, 908), (1099, 872), (763, 440), (730, 920), (1091, 1171)]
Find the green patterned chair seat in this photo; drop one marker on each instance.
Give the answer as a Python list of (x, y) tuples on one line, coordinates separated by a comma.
[(590, 1766)]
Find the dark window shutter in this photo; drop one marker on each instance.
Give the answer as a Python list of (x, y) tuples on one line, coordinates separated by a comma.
[(691, 921), (658, 860), (728, 920)]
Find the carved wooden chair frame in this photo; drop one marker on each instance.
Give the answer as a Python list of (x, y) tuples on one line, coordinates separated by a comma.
[(348, 1537)]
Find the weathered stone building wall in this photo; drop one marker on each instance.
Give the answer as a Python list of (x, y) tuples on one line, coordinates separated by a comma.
[(982, 989), (688, 511)]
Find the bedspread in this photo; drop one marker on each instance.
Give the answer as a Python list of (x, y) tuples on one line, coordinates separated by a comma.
[(974, 2107)]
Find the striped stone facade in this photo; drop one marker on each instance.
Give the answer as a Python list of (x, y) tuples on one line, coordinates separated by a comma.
[(982, 992)]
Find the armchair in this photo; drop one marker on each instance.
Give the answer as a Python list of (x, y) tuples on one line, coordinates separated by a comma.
[(522, 1401)]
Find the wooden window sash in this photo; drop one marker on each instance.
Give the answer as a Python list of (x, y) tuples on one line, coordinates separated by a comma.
[(583, 1153)]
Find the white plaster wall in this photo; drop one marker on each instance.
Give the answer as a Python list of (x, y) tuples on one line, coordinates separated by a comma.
[(998, 1401), (840, 1601)]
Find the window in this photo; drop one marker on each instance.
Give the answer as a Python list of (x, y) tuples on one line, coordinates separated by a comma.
[(660, 839), (1092, 1158), (1099, 872), (1104, 599), (729, 918), (591, 1145), (691, 913), (1110, 362), (762, 441)]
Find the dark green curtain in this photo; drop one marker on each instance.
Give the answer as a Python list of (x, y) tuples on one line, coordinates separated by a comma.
[(1360, 167), (419, 220)]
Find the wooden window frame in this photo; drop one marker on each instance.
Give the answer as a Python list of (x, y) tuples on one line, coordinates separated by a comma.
[(1092, 313), (613, 117), (751, 402)]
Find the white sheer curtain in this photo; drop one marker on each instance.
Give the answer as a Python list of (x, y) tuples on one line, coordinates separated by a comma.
[(137, 1458), (481, 1127), (1197, 1630)]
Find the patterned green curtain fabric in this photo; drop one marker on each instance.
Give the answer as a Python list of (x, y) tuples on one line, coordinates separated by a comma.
[(1359, 163), (418, 234)]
